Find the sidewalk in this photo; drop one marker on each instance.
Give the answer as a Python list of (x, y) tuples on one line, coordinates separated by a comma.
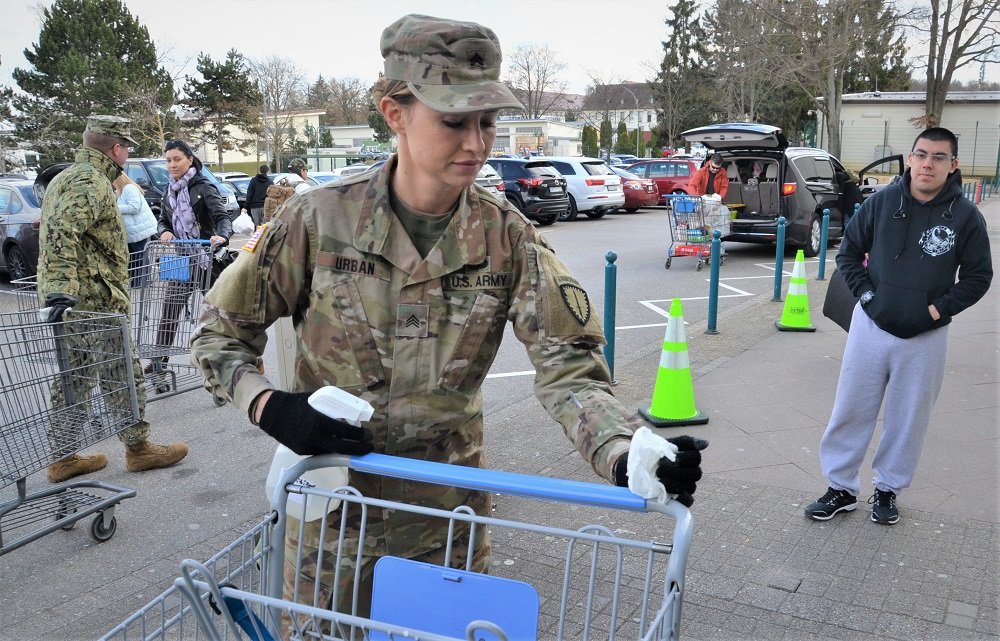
[(758, 568)]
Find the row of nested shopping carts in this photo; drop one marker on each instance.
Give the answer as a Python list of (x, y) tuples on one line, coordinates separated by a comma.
[(571, 560), (64, 386), (589, 561)]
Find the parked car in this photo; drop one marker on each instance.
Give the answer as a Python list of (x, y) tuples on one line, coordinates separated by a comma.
[(593, 188), (624, 159), (238, 185), (490, 180), (324, 176), (292, 179), (534, 186), (20, 217), (229, 175), (671, 175), (768, 179), (639, 192), (151, 175)]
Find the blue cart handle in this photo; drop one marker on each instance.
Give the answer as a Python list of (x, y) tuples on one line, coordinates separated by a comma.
[(472, 478)]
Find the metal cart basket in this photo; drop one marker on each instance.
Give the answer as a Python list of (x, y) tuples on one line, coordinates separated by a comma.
[(63, 387), (692, 221), (619, 577), (167, 282)]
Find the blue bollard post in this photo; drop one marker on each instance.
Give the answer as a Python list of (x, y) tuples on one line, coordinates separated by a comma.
[(610, 287), (779, 258), (713, 282), (823, 237)]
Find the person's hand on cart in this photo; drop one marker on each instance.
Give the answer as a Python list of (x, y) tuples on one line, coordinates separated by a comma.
[(290, 420), (56, 305), (680, 476)]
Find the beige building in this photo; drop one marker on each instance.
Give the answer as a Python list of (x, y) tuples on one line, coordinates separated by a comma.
[(877, 124), (258, 149), (549, 135)]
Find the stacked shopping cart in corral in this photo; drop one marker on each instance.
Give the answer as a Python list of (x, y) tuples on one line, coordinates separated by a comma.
[(167, 283), (555, 573), (693, 221), (63, 387)]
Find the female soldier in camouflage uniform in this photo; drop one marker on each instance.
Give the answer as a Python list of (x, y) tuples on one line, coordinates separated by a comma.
[(400, 283)]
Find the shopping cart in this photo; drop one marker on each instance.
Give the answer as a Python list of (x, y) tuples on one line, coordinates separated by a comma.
[(64, 387), (621, 578), (692, 223), (167, 282)]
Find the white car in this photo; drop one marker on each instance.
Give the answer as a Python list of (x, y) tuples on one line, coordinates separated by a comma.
[(490, 180), (593, 188)]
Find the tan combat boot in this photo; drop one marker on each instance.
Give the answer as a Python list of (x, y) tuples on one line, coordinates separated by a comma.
[(150, 456), (75, 465)]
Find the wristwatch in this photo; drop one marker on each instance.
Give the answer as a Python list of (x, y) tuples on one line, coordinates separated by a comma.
[(867, 298)]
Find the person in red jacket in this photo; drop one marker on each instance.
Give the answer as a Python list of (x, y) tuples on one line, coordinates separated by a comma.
[(701, 185)]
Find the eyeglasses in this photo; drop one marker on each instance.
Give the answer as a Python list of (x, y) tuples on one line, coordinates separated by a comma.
[(937, 159)]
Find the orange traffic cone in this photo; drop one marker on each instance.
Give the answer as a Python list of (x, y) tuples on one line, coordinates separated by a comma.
[(795, 316), (673, 393)]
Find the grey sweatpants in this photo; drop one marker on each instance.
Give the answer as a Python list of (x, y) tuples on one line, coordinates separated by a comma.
[(907, 373)]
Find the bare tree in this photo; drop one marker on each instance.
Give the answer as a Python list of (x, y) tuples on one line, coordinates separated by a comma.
[(812, 43), (959, 33), (281, 85), (533, 74), (348, 101)]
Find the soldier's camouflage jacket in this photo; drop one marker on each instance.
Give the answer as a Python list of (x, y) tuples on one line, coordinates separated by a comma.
[(414, 337), (82, 236)]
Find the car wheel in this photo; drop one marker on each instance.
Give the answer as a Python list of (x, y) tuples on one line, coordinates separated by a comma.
[(17, 263), (544, 220), (813, 237), (572, 212), (631, 210), (594, 214)]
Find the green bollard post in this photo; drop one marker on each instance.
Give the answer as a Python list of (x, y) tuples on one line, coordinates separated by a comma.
[(610, 288), (779, 258), (823, 238)]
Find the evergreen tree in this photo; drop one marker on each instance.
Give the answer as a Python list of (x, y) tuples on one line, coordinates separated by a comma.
[(319, 95), (92, 56), (625, 143), (325, 138), (684, 87), (226, 95), (589, 140), (607, 135)]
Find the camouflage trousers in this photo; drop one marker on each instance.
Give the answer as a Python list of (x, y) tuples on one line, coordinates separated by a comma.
[(303, 555), (91, 395)]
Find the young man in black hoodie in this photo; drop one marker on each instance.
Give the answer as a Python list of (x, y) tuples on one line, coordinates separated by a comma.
[(256, 193), (917, 234)]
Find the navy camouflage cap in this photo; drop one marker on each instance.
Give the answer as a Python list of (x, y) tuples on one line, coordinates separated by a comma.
[(296, 164), (450, 66), (113, 126)]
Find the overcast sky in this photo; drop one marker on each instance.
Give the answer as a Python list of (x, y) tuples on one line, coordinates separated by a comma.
[(612, 40)]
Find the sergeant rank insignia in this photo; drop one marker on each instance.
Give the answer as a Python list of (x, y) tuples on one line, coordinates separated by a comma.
[(576, 301)]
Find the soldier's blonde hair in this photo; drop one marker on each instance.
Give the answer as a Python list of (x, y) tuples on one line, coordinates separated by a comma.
[(395, 89)]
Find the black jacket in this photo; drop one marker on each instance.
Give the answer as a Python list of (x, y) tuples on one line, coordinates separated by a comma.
[(213, 220), (914, 252), (257, 191)]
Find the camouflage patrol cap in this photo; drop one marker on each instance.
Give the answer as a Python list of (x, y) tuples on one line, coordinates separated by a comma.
[(450, 66), (113, 126), (296, 165)]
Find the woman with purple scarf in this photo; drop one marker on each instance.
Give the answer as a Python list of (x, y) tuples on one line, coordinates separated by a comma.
[(191, 209)]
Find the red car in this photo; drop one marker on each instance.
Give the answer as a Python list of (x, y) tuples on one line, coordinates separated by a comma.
[(639, 192), (671, 176)]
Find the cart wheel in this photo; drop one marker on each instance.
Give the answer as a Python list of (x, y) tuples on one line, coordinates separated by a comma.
[(722, 260), (219, 401), (668, 264), (63, 511), (101, 533), (698, 268)]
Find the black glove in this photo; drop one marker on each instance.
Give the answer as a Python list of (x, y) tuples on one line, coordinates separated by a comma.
[(58, 304), (679, 477), (291, 421)]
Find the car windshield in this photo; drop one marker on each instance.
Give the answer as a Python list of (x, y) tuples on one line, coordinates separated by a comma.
[(240, 183), (28, 193), (158, 172), (324, 178), (597, 168), (541, 169), (627, 175)]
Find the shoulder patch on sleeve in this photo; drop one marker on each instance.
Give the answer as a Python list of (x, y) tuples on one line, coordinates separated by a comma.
[(251, 244), (564, 308)]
